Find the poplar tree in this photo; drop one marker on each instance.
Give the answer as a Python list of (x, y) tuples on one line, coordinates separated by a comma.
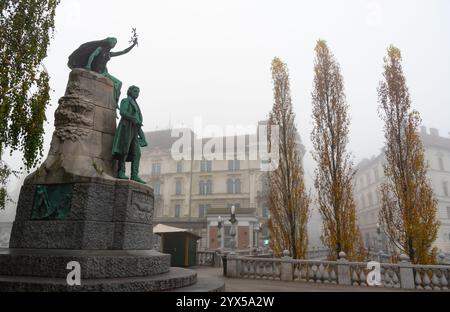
[(408, 210), (287, 198), (334, 173)]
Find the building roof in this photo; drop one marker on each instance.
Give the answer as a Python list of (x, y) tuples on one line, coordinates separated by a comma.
[(434, 139), (163, 229), (431, 139), (162, 139)]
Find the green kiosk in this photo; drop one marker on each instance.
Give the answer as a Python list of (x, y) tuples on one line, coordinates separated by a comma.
[(179, 243)]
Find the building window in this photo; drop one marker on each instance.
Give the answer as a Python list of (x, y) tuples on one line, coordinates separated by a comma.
[(376, 173), (206, 166), (368, 179), (237, 186), (230, 186), (202, 188), (178, 187), (234, 165), (177, 211), (441, 163), (445, 187), (179, 167), (209, 187), (233, 187), (205, 187), (265, 210), (448, 212), (201, 211), (157, 188), (156, 169)]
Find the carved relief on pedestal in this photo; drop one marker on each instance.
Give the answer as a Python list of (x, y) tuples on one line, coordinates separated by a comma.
[(74, 118), (142, 207)]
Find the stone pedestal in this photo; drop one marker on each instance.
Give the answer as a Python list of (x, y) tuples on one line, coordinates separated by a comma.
[(72, 209), (101, 215)]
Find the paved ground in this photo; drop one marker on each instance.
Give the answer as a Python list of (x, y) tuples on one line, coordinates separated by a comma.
[(252, 285)]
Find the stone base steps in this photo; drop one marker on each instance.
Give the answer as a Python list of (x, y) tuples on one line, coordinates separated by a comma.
[(210, 284), (174, 279), (95, 264)]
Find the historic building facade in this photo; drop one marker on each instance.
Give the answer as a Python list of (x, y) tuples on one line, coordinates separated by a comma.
[(370, 175), (193, 193)]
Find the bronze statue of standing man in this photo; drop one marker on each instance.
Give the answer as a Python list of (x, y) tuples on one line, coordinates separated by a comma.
[(129, 137)]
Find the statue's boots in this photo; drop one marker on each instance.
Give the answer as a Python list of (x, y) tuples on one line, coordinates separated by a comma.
[(121, 173), (135, 172)]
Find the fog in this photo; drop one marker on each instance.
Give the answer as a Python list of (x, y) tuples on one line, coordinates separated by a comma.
[(211, 59)]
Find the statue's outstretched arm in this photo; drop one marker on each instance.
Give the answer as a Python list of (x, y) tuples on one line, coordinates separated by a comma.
[(92, 57), (113, 54)]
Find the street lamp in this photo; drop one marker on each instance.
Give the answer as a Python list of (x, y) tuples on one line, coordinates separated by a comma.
[(380, 245), (257, 230), (233, 222), (219, 232)]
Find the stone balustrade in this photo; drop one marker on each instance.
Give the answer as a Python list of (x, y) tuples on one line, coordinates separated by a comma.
[(403, 275), (432, 277), (205, 258)]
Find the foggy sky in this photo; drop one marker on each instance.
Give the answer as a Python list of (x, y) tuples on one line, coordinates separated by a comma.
[(211, 59)]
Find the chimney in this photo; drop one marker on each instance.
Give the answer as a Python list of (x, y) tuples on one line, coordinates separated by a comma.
[(423, 130), (434, 132)]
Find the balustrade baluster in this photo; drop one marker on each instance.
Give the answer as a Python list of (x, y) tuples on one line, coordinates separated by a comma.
[(396, 280), (426, 280), (355, 278), (435, 280), (418, 280), (444, 281), (326, 275), (362, 278), (333, 276)]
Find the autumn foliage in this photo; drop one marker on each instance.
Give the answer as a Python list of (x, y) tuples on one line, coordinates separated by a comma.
[(288, 201), (408, 205), (334, 173)]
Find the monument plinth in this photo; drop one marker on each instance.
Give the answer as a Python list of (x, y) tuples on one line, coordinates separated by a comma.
[(85, 123), (74, 209)]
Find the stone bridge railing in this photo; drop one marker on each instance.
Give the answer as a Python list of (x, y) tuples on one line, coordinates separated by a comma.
[(214, 258), (206, 258), (401, 275)]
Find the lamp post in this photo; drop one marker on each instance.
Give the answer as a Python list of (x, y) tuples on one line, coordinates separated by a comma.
[(233, 222), (380, 245), (257, 231), (219, 232)]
